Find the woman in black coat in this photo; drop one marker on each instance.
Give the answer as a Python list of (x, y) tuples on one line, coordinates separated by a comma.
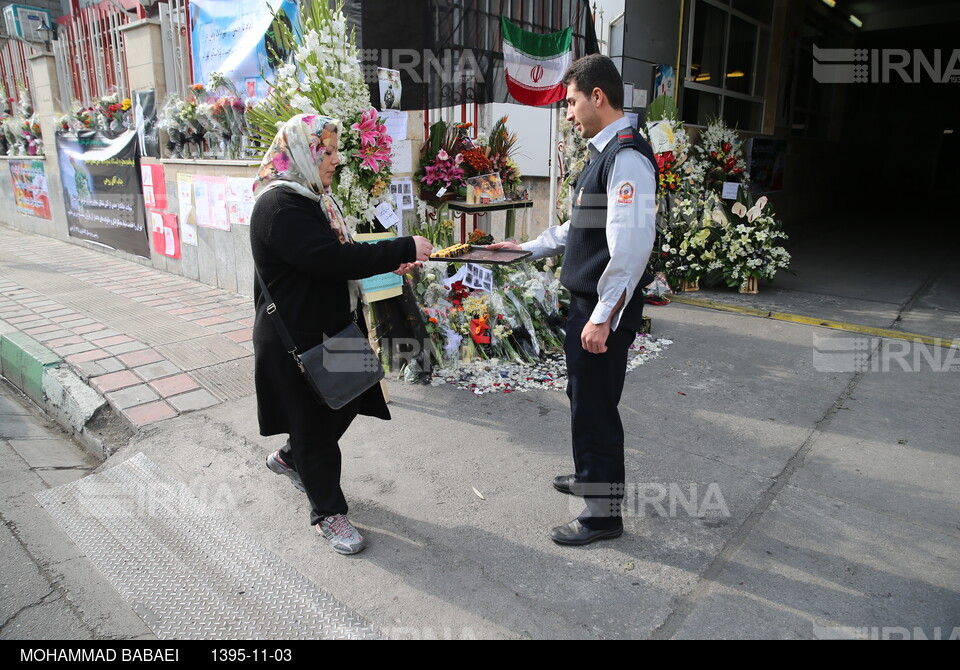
[(304, 252)]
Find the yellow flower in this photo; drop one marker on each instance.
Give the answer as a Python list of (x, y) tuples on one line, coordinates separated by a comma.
[(126, 104)]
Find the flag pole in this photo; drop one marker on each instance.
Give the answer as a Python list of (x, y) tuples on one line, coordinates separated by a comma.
[(553, 166)]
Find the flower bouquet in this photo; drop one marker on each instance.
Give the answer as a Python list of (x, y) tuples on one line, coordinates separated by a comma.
[(500, 148), (183, 123), (225, 113), (574, 152), (112, 113), (749, 248), (78, 119), (668, 138), (686, 236), (720, 158), (325, 77), (441, 173)]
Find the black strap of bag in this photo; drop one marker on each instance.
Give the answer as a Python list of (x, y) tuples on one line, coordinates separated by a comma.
[(288, 342), (337, 371)]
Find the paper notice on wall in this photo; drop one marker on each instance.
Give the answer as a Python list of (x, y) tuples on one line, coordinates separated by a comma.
[(154, 186), (210, 202), (218, 203), (170, 236), (402, 155), (188, 234), (201, 202), (385, 214), (402, 192), (146, 175), (396, 123), (185, 196), (239, 201), (166, 240)]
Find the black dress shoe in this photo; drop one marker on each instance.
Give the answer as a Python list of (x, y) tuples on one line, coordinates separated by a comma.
[(574, 533), (568, 484)]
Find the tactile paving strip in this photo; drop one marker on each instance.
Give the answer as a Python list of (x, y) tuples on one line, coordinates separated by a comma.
[(202, 352), (188, 573), (229, 381)]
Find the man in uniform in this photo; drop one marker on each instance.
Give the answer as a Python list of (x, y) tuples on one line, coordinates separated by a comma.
[(607, 243)]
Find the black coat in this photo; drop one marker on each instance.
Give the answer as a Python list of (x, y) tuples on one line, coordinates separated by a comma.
[(306, 269)]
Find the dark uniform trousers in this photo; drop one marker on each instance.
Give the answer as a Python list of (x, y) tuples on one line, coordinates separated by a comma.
[(594, 386)]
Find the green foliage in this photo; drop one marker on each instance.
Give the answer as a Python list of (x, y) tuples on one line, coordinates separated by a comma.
[(663, 107)]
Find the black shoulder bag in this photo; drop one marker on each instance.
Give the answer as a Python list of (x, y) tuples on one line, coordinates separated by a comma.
[(338, 370)]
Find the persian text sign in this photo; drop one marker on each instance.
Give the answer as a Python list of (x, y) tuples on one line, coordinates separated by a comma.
[(237, 38), (101, 190), (30, 191)]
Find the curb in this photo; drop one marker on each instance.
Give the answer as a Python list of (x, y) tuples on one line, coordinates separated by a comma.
[(812, 321), (42, 376)]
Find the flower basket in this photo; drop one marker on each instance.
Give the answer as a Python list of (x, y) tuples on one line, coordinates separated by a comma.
[(428, 194), (687, 285), (751, 286)]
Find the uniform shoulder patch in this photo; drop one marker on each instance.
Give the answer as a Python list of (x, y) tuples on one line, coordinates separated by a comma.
[(625, 194)]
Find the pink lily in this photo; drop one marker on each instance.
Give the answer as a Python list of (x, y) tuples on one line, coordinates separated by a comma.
[(371, 157), (368, 128)]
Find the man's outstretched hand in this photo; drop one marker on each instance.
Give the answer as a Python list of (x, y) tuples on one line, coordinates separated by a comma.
[(509, 246)]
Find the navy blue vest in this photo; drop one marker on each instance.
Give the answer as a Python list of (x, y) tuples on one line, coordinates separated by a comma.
[(587, 254)]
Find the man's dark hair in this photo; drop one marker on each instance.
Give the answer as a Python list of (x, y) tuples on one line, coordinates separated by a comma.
[(597, 71)]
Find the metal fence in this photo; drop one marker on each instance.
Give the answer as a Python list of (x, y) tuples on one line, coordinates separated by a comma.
[(14, 68), (175, 26), (90, 54)]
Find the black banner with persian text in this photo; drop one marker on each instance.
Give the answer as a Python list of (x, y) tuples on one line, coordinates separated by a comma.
[(101, 189)]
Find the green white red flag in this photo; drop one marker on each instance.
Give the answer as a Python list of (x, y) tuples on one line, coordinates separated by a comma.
[(535, 64)]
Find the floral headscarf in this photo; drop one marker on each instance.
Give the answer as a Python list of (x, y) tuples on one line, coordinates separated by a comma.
[(293, 160)]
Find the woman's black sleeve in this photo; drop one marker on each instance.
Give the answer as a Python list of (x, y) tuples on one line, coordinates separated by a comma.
[(306, 241)]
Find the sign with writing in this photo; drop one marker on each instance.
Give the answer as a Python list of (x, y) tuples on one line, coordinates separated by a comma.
[(239, 39), (30, 191), (101, 190)]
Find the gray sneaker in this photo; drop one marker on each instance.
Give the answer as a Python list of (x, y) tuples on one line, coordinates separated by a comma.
[(276, 463), (343, 537)]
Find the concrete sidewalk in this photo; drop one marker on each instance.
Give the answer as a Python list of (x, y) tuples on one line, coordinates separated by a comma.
[(154, 345), (806, 502)]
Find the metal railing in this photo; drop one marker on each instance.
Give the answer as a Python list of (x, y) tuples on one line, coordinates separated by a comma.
[(14, 68), (175, 25), (90, 54)]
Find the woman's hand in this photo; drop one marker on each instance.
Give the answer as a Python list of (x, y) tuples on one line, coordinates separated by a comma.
[(509, 246), (407, 268), (424, 248)]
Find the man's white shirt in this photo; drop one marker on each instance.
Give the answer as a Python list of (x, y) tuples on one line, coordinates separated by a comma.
[(631, 225)]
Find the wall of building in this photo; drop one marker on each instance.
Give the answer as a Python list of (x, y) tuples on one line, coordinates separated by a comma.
[(651, 38), (57, 8)]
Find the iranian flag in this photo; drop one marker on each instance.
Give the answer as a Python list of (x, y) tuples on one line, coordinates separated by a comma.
[(535, 64)]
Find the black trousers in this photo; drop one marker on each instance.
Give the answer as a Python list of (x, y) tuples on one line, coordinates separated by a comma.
[(315, 454), (594, 386)]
